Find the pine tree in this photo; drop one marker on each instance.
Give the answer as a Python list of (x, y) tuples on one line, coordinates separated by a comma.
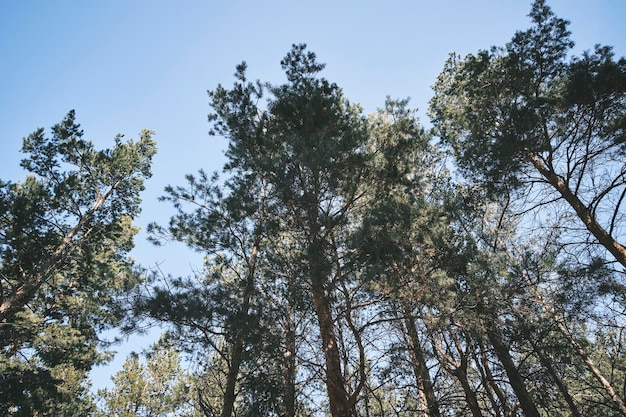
[(66, 231)]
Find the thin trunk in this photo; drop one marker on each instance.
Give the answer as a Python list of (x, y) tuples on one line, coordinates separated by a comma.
[(470, 394), (356, 333), (24, 293), (582, 211), (461, 373), (486, 378), (591, 366), (418, 363), (237, 350), (617, 401), (606, 240), (545, 361), (289, 373), (335, 384), (458, 370), (316, 258), (228, 403), (515, 379)]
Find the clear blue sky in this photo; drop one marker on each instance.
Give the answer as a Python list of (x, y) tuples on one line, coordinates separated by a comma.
[(125, 65)]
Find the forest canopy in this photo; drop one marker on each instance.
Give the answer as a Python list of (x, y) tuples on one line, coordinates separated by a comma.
[(355, 264)]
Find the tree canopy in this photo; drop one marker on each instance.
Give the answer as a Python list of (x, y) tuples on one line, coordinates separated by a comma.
[(66, 232), (355, 265)]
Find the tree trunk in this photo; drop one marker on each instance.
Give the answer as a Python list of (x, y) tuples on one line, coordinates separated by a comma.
[(545, 361), (289, 373), (228, 403), (515, 379), (488, 381), (458, 369), (607, 241), (470, 394), (16, 301), (335, 384), (591, 366), (318, 266), (418, 363), (582, 211), (617, 401), (237, 350)]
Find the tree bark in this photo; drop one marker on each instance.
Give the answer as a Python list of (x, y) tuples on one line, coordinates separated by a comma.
[(289, 373), (515, 379), (418, 363), (228, 402), (591, 366), (25, 292), (489, 382), (318, 268), (335, 384), (237, 350), (546, 362), (470, 394), (617, 401), (236, 358), (458, 369), (583, 212)]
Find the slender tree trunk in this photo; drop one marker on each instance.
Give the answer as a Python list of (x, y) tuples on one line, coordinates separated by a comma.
[(289, 373), (418, 363), (582, 211), (335, 384), (461, 373), (470, 394), (458, 369), (595, 371), (16, 301), (236, 358), (237, 350), (547, 363), (610, 244), (482, 365), (318, 266), (228, 403), (591, 366), (515, 379), (356, 333)]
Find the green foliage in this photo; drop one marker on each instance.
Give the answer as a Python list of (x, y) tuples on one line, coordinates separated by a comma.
[(490, 106), (156, 386), (499, 107), (66, 231), (345, 272), (336, 234)]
